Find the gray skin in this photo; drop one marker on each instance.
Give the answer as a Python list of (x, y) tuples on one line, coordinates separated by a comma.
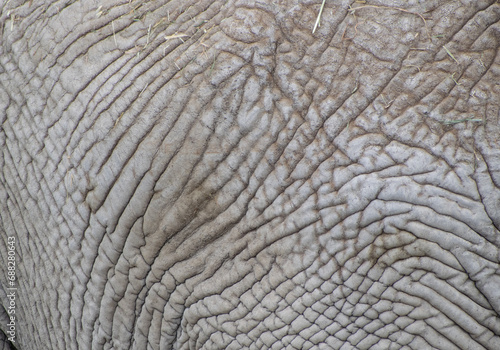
[(216, 176)]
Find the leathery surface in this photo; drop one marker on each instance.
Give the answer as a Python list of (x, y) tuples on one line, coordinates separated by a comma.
[(213, 175)]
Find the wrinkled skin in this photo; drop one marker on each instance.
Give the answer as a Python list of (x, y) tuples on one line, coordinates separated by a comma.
[(214, 175)]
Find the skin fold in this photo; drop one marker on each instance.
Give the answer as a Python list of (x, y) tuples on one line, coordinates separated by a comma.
[(214, 175)]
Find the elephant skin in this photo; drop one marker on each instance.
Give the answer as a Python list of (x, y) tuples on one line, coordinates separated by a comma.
[(214, 175)]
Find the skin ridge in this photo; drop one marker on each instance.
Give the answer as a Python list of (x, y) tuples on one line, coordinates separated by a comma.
[(214, 175)]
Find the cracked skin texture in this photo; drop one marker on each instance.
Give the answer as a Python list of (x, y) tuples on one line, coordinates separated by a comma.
[(212, 175)]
